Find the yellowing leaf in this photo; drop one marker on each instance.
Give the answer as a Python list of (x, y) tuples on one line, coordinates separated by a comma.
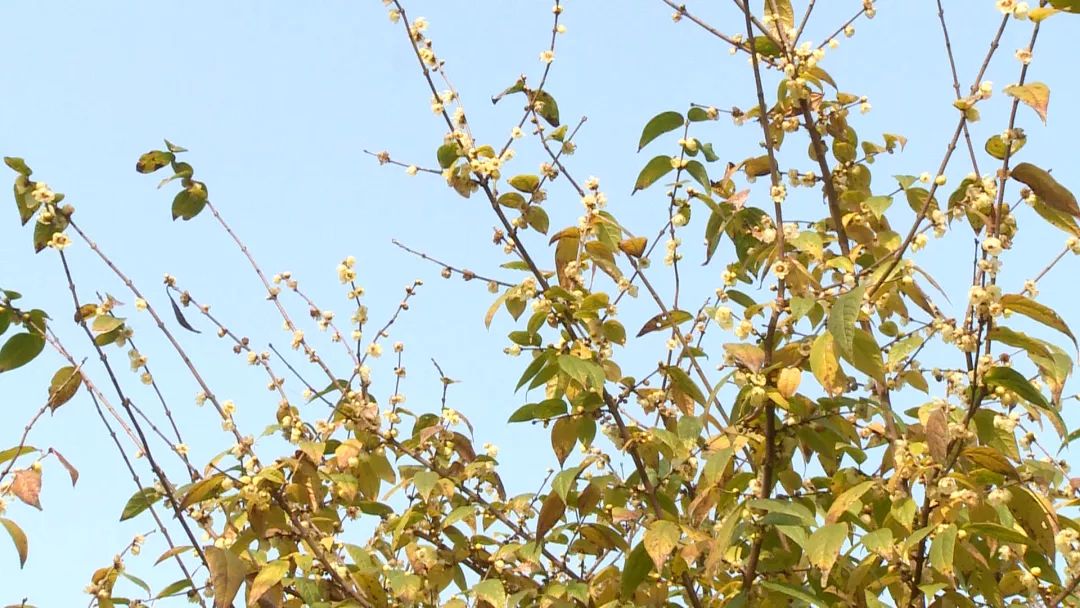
[(1035, 94), (634, 247), (550, 513), (747, 355), (65, 382), (826, 365), (1037, 312), (660, 540), (823, 546), (270, 575), (846, 499), (494, 308), (563, 437), (154, 160), (991, 459), (937, 435), (492, 592), (202, 490), (18, 537), (227, 572)]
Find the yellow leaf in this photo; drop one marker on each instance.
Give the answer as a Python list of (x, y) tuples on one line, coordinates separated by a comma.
[(1035, 94), (787, 381), (825, 364), (270, 575)]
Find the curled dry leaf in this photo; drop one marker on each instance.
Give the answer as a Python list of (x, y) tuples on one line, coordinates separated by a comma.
[(27, 487)]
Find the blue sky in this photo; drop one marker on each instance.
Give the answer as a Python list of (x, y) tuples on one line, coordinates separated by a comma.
[(276, 104)]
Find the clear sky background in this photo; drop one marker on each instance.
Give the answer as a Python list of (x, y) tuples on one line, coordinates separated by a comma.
[(277, 100)]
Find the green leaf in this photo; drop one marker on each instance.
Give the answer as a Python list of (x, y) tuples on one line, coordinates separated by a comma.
[(996, 147), (878, 205), (190, 201), (1012, 380), (532, 369), (1047, 188), (18, 165), (581, 370), (542, 410), (154, 160), (65, 383), (1072, 6), (20, 349), (18, 537), (823, 546), (656, 168), (637, 567), (681, 381), (663, 122), (491, 591), (141, 584), (517, 87), (172, 551), (660, 540), (538, 219), (549, 110), (227, 572), (139, 502), (425, 482), (700, 175), (866, 355), (842, 317), (794, 592), (525, 183), (270, 575), (794, 509), (447, 154), (697, 114), (942, 549), (614, 331), (998, 532), (1037, 312), (174, 588)]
